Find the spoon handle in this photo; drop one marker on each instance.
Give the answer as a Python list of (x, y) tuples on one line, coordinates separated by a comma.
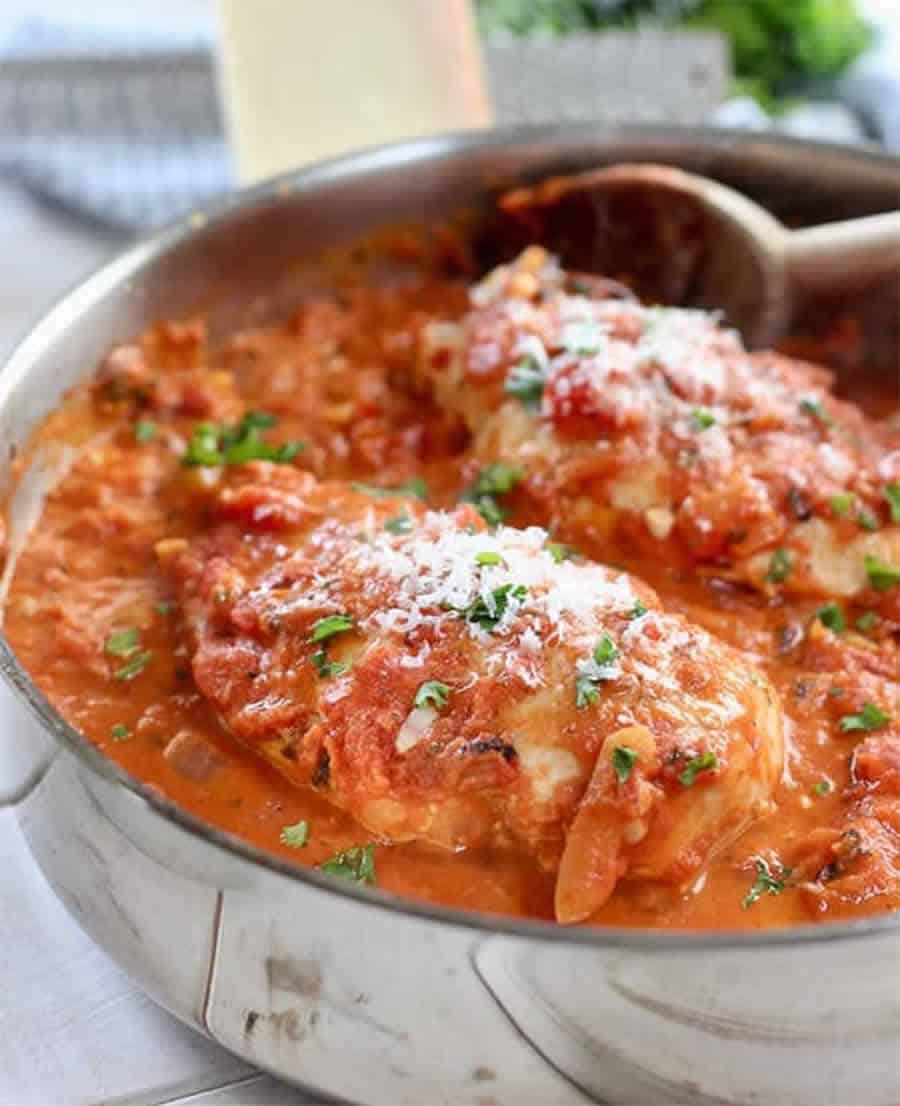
[(842, 255)]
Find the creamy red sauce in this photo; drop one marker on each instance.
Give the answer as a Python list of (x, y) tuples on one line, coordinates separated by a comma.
[(340, 376)]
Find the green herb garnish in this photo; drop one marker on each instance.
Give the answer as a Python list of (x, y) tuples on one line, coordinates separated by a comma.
[(815, 409), (120, 732), (832, 616), (356, 864), (488, 558), (204, 447), (623, 759), (487, 613), (526, 382), (212, 444), (433, 693), (122, 643), (841, 503), (703, 419), (868, 620), (559, 552), (328, 627), (638, 610), (134, 667), (399, 524), (586, 692), (705, 762), (296, 836), (891, 493), (779, 566), (867, 520), (164, 607), (823, 787), (327, 668), (605, 651), (882, 576), (869, 718), (766, 883), (493, 481), (145, 430)]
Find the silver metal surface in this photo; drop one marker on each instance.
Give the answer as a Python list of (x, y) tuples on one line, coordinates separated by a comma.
[(353, 992)]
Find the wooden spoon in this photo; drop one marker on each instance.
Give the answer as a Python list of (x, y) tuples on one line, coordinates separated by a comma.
[(721, 249)]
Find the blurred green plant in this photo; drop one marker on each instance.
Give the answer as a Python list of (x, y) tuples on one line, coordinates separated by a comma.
[(777, 46)]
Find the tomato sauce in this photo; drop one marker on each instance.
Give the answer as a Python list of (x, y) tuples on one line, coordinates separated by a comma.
[(339, 376)]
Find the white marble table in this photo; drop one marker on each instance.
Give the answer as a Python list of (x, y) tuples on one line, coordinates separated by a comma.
[(74, 1031)]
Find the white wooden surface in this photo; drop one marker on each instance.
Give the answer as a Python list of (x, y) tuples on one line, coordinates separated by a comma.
[(74, 1031)]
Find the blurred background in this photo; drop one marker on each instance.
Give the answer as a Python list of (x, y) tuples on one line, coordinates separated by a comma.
[(115, 118)]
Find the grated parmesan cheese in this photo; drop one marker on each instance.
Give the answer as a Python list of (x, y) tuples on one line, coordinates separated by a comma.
[(432, 577)]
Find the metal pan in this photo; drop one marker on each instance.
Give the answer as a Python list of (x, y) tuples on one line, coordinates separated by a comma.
[(353, 992)]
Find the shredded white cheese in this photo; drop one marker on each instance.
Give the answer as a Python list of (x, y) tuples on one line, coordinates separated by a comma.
[(527, 600)]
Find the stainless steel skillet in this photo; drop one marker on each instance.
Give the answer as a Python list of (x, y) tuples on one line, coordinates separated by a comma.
[(355, 993)]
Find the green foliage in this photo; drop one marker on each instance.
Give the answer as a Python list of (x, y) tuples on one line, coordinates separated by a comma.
[(776, 45)]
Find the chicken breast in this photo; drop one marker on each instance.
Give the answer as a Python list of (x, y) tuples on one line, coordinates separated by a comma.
[(465, 687), (657, 423)]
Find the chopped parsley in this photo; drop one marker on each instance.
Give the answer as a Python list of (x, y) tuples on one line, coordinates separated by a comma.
[(867, 520), (328, 627), (493, 481), (323, 630), (526, 382), (399, 524), (638, 610), (212, 444), (703, 419), (841, 503), (823, 787), (123, 643), (164, 607), (327, 668), (882, 576), (433, 693), (779, 566), (145, 430), (488, 612), (559, 552), (488, 558), (766, 883), (623, 760), (120, 732), (356, 864), (605, 651), (415, 487), (868, 620), (832, 616), (869, 718), (134, 667), (586, 690), (296, 836), (204, 447), (704, 762), (814, 408), (891, 493)]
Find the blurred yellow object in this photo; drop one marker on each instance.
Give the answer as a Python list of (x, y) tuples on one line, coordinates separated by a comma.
[(307, 79)]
